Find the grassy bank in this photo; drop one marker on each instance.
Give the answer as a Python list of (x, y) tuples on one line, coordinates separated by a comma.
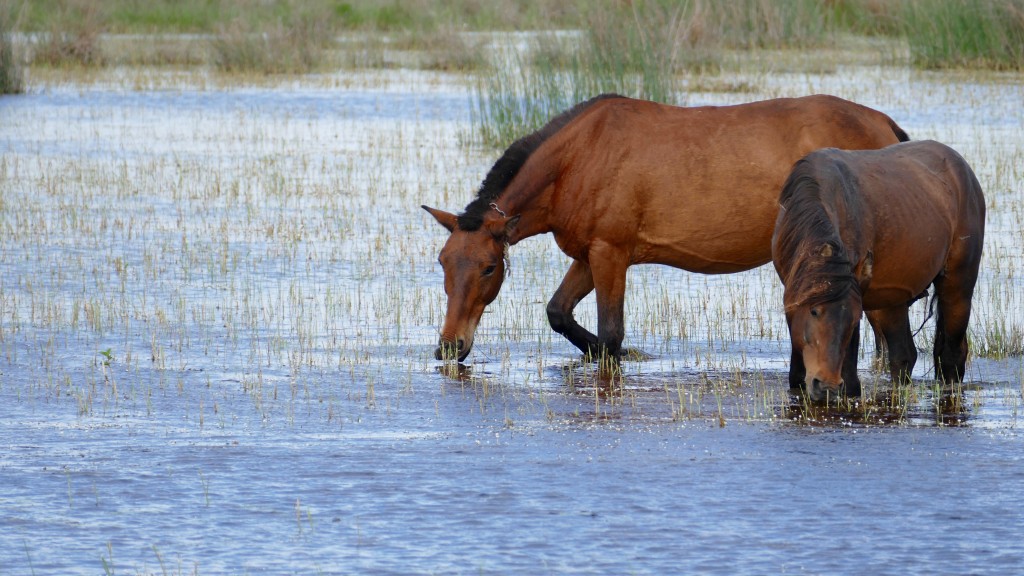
[(941, 33)]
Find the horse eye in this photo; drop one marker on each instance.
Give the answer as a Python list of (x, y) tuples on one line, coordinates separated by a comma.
[(815, 312), (489, 270)]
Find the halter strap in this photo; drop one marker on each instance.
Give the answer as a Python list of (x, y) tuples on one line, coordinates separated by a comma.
[(499, 210)]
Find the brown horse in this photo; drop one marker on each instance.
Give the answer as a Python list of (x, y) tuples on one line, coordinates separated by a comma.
[(870, 230), (619, 182)]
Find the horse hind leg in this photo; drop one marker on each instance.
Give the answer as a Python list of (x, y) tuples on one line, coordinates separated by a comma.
[(952, 316), (954, 289), (881, 348)]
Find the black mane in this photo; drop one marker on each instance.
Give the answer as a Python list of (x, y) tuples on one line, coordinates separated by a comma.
[(801, 234), (506, 168)]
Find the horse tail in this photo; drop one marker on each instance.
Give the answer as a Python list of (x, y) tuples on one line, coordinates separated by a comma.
[(900, 134)]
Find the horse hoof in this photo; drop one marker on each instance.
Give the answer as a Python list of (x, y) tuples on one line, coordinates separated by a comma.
[(634, 355)]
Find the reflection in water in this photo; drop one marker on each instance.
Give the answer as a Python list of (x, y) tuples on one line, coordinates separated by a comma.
[(581, 377), (456, 371), (924, 404)]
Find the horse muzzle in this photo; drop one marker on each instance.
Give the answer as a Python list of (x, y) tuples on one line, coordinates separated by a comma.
[(448, 350), (819, 390)]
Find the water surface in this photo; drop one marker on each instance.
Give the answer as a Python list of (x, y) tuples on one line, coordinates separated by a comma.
[(217, 317)]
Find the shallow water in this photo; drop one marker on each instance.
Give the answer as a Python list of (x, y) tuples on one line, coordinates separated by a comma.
[(217, 319)]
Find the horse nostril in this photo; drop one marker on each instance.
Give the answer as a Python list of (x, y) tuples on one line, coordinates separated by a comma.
[(447, 350)]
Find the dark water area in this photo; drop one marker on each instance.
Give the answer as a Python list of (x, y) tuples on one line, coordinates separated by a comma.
[(209, 365), (444, 482)]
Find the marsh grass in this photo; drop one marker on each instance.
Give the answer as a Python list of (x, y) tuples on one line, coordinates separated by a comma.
[(445, 49), (638, 58), (73, 36), (999, 339), (642, 49), (282, 249), (969, 33), (12, 71), (298, 45), (694, 33)]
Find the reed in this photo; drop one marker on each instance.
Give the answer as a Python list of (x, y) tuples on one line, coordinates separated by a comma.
[(638, 57), (73, 36), (294, 46), (642, 49), (968, 33), (12, 72)]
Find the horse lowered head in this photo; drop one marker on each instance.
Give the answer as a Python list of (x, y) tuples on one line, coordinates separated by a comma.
[(474, 263), (823, 313)]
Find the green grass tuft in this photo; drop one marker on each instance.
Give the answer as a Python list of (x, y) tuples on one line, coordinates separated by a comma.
[(966, 33)]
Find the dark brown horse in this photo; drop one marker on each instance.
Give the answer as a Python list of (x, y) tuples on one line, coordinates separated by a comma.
[(871, 230), (621, 182)]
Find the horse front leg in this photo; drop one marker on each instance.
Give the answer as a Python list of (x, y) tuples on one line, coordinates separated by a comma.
[(851, 382), (894, 324), (608, 269), (577, 283)]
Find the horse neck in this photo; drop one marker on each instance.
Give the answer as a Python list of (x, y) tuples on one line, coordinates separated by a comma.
[(806, 229), (529, 195)]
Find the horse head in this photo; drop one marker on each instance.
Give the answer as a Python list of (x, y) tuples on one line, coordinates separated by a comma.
[(823, 311), (474, 263)]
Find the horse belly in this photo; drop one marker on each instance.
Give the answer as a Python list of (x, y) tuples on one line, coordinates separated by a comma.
[(903, 276), (700, 240)]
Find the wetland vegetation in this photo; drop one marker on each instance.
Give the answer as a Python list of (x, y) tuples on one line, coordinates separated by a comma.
[(219, 301)]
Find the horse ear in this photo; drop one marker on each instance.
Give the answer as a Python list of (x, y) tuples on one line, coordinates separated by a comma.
[(511, 223), (826, 250), (501, 228), (446, 219)]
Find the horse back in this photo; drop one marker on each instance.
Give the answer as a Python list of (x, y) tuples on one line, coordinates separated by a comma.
[(674, 183), (916, 206)]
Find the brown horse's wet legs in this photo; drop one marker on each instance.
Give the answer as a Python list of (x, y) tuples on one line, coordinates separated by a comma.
[(881, 348), (797, 369), (894, 324), (954, 289), (577, 283), (952, 316), (608, 266), (851, 382)]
